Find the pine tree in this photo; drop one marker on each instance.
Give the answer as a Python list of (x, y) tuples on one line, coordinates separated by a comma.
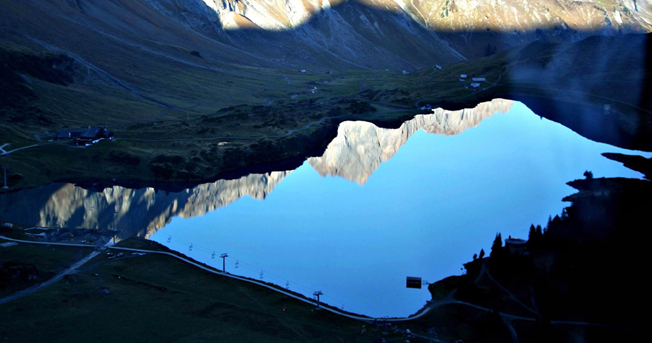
[(497, 245), (548, 224), (531, 237), (481, 253), (539, 231)]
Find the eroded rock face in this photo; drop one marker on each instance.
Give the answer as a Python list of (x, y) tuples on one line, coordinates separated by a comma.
[(137, 211), (360, 147)]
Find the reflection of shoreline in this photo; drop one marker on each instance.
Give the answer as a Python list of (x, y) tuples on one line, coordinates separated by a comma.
[(358, 150), (360, 147)]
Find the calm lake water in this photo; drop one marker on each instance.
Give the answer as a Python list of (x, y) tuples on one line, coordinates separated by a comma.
[(424, 211), (378, 206)]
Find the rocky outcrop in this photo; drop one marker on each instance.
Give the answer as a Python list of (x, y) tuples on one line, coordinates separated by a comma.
[(458, 15), (391, 33), (478, 22), (361, 147)]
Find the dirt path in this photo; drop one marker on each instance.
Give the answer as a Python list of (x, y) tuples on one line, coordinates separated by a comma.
[(47, 283), (4, 152)]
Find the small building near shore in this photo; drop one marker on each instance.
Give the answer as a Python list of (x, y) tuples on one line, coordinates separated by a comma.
[(463, 77), (516, 246), (94, 135), (478, 79), (68, 134)]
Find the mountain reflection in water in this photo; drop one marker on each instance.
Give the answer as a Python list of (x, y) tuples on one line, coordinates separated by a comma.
[(137, 211), (360, 147), (425, 212), (356, 152)]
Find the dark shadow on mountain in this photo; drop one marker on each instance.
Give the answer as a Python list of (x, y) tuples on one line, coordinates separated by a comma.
[(349, 35), (355, 35)]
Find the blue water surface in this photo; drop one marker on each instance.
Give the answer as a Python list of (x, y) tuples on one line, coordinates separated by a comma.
[(439, 200)]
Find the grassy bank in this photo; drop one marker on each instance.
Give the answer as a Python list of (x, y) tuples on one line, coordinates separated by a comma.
[(25, 265), (156, 297)]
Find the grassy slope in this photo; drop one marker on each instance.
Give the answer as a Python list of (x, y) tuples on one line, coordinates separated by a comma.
[(48, 260), (159, 298)]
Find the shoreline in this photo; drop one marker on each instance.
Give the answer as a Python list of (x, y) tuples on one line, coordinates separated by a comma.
[(537, 103)]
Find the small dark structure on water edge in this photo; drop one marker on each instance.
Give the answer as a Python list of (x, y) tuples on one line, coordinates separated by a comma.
[(413, 282)]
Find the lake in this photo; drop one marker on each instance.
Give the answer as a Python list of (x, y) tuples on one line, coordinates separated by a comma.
[(355, 222), (379, 205)]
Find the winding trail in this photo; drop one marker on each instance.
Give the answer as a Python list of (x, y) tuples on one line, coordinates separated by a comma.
[(18, 149), (54, 279)]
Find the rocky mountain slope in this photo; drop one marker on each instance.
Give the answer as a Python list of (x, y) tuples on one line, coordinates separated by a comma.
[(466, 26), (445, 15), (299, 33), (361, 147)]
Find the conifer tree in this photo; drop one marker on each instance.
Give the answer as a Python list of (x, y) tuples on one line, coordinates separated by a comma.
[(539, 232), (497, 245), (531, 235)]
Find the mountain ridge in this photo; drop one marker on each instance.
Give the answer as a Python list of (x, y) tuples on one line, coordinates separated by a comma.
[(373, 34)]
